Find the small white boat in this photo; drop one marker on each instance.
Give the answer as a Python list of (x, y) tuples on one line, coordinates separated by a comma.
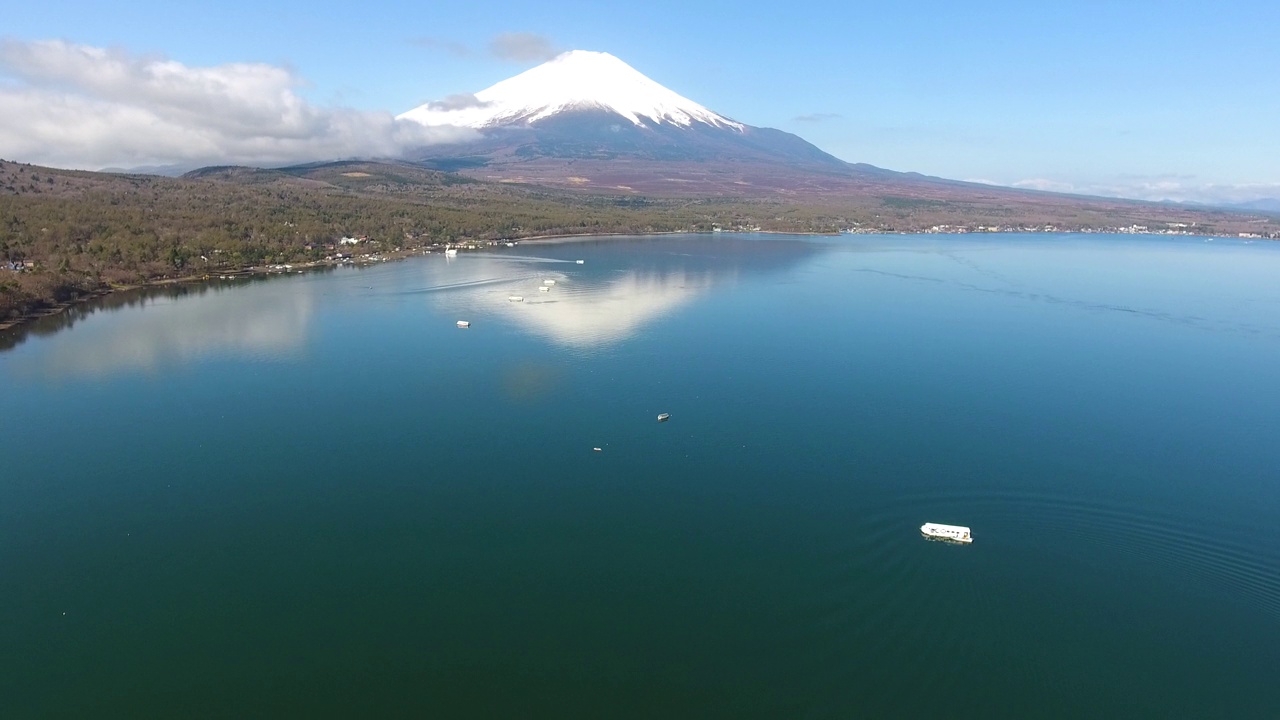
[(663, 417), (548, 282), (464, 323), (544, 288), (954, 533), (580, 261), (516, 298)]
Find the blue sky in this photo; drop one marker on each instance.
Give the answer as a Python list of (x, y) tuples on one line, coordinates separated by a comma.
[(1144, 99)]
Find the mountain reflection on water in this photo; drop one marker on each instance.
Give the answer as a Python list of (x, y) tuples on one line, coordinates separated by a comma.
[(608, 299)]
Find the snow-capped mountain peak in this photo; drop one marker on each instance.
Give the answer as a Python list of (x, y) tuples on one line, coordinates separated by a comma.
[(573, 81)]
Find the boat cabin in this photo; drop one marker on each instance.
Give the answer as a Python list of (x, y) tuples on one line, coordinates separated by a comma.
[(957, 533)]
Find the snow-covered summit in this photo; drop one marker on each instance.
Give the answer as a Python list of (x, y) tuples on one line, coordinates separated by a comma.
[(573, 81)]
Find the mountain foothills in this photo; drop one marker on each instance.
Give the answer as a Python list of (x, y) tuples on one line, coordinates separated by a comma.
[(583, 144)]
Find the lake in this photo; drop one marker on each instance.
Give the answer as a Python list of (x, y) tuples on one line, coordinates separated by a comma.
[(315, 495)]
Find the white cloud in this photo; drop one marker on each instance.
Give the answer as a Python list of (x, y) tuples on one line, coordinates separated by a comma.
[(452, 47), (87, 107), (1172, 188), (517, 47), (523, 47), (1046, 185), (817, 117), (461, 101)]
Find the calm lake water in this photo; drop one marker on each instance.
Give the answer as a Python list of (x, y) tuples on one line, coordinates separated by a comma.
[(316, 496)]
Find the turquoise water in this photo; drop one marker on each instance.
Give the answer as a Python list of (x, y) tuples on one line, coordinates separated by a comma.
[(316, 496)]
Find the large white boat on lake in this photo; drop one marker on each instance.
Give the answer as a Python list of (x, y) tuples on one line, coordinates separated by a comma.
[(954, 533)]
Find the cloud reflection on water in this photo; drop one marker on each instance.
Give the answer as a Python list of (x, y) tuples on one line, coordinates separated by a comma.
[(252, 320), (610, 312), (624, 286)]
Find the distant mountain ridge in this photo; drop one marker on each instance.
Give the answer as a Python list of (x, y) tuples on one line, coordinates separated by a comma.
[(1269, 206), (1266, 205)]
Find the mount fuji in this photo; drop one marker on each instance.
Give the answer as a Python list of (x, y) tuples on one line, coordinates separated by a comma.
[(575, 81), (589, 120)]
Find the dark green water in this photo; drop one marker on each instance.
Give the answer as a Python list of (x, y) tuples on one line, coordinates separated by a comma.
[(315, 496)]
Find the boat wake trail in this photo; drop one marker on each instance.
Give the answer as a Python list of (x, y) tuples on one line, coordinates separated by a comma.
[(445, 287), (520, 258), (1198, 553), (1202, 323)]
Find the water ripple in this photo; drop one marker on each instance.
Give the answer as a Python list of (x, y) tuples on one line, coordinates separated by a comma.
[(1193, 551)]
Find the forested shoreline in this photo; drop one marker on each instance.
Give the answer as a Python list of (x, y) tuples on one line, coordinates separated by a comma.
[(66, 235), (78, 233)]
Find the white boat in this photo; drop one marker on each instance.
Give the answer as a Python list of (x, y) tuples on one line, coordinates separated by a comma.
[(464, 324), (516, 298), (663, 417), (580, 261), (544, 288), (954, 533)]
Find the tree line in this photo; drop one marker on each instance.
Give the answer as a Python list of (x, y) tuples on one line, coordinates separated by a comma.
[(88, 232)]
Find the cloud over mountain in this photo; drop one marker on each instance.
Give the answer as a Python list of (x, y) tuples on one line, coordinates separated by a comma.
[(461, 101), (1157, 188), (80, 106), (523, 47)]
